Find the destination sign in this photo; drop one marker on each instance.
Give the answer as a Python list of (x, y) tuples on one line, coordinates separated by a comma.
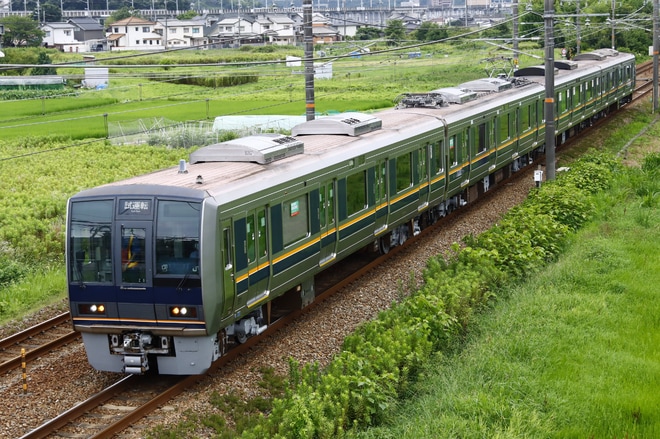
[(135, 207)]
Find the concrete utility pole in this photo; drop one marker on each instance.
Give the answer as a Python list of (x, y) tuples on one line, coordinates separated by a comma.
[(656, 49), (310, 105), (515, 35), (549, 105)]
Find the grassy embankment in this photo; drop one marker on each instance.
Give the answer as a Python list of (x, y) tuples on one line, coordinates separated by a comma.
[(571, 353)]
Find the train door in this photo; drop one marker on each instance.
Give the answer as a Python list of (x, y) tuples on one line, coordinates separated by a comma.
[(458, 164), (228, 266), (380, 200), (135, 297), (327, 222), (257, 251), (135, 272), (421, 177), (483, 142)]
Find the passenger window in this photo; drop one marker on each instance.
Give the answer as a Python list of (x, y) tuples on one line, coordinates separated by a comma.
[(503, 128), (403, 172), (524, 118), (437, 156), (421, 165), (356, 192), (263, 242), (331, 203), (452, 151), (294, 222), (250, 236), (481, 138)]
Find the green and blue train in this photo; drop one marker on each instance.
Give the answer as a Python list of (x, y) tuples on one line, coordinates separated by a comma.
[(167, 270)]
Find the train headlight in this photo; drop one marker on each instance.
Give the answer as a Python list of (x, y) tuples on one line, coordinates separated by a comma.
[(91, 308), (183, 311)]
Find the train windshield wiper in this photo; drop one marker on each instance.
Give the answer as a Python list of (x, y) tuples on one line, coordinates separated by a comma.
[(183, 281)]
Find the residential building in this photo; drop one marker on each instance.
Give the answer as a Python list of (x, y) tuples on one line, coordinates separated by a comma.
[(134, 33), (181, 33), (61, 36)]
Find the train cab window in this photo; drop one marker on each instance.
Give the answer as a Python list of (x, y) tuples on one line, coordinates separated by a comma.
[(90, 253), (226, 249), (177, 237), (133, 255), (403, 172), (356, 186), (453, 157), (295, 224)]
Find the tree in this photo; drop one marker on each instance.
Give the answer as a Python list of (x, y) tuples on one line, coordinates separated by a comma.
[(430, 31), (21, 31), (395, 32), (18, 56), (367, 33), (187, 15), (120, 14), (43, 58)]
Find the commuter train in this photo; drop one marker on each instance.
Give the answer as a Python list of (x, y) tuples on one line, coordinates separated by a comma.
[(167, 270)]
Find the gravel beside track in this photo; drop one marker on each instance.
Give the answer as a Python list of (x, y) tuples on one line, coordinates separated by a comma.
[(60, 380)]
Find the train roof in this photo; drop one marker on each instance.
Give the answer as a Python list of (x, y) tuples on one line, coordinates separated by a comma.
[(321, 143)]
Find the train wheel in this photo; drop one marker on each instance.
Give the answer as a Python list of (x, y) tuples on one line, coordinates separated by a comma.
[(241, 336), (384, 244), (222, 342)]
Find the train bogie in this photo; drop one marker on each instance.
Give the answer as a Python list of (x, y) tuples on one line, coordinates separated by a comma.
[(167, 270)]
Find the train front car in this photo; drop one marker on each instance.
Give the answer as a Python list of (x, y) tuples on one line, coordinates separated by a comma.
[(133, 265)]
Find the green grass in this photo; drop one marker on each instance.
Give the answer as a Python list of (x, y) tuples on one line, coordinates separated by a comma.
[(357, 84), (572, 353)]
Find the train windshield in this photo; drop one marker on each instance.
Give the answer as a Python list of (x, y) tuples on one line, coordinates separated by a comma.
[(90, 249), (177, 237)]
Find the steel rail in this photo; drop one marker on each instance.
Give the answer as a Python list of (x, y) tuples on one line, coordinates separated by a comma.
[(36, 330)]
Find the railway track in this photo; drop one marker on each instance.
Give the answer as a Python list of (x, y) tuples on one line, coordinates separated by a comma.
[(132, 398), (37, 341), (644, 80)]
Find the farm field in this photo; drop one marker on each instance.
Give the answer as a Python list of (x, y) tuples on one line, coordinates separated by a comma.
[(166, 92)]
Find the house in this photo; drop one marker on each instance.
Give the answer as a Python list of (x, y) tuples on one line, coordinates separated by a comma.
[(61, 36), (279, 29), (323, 31), (236, 29), (89, 31), (134, 33), (182, 33)]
